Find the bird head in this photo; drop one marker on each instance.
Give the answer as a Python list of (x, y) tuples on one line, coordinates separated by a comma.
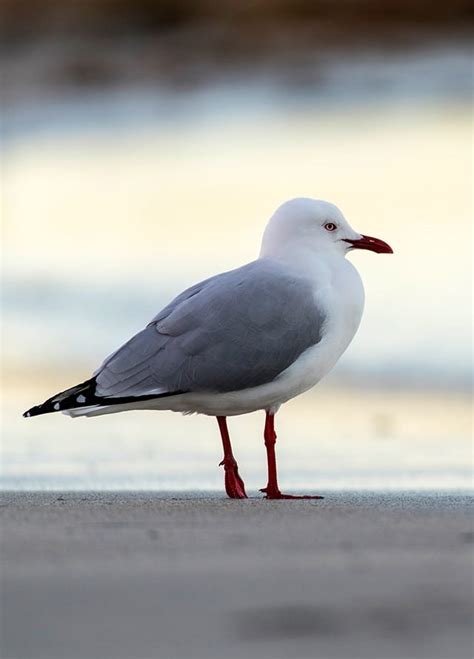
[(315, 225)]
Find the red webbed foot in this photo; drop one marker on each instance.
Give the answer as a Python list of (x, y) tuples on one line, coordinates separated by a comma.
[(276, 494), (234, 485)]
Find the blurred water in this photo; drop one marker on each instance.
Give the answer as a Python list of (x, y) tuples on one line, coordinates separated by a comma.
[(319, 81), (101, 233), (331, 439)]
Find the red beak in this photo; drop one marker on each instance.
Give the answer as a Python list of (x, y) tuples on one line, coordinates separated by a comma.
[(373, 244)]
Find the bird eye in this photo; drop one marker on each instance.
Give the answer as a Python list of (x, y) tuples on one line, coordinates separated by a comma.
[(330, 226)]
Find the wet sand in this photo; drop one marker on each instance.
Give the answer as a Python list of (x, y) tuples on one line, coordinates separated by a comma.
[(149, 575)]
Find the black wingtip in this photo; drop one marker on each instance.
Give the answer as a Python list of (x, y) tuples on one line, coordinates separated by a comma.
[(83, 395), (36, 411), (64, 400), (33, 411)]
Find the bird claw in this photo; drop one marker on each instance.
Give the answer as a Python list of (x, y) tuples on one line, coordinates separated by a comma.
[(272, 493), (234, 485)]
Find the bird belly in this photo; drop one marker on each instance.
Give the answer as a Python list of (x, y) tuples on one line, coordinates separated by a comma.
[(310, 367)]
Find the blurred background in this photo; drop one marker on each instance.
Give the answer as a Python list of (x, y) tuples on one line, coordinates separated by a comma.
[(144, 146)]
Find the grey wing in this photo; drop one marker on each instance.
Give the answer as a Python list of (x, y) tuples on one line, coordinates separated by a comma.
[(237, 330), (145, 340)]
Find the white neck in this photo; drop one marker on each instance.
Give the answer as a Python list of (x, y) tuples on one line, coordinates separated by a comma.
[(302, 258)]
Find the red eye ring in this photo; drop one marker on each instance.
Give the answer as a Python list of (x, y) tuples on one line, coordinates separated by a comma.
[(330, 226)]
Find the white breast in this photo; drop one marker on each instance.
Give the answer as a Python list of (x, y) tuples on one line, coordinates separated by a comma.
[(340, 295)]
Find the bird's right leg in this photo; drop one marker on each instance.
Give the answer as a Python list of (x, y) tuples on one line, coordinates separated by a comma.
[(234, 485), (272, 490)]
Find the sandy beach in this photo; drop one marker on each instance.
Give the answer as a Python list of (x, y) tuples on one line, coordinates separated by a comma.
[(182, 576)]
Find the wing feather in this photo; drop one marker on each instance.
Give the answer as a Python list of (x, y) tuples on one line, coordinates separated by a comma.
[(237, 330)]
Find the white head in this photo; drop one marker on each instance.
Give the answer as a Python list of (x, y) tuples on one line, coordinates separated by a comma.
[(302, 225)]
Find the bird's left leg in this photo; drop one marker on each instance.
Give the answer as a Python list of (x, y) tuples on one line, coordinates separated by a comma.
[(234, 485), (272, 490)]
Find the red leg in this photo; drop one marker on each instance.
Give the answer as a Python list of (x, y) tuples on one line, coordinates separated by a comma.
[(234, 485), (272, 490)]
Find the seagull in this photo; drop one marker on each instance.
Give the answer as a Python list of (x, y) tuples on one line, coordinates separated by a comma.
[(244, 340)]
